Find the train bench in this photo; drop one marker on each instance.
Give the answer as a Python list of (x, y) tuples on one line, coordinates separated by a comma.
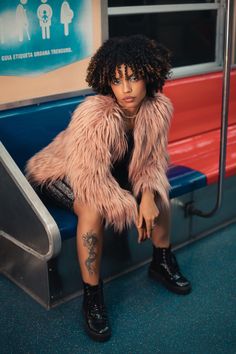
[(195, 133), (194, 154)]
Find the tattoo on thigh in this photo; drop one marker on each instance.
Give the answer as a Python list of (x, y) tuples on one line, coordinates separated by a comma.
[(90, 241)]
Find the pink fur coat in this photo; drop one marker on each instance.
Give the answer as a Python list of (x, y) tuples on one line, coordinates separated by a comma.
[(94, 139)]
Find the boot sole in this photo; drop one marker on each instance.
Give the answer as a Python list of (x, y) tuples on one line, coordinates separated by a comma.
[(174, 289), (97, 337)]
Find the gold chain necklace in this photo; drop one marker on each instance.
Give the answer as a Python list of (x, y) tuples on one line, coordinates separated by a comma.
[(129, 117)]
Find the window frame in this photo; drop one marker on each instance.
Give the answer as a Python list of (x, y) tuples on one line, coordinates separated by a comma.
[(218, 5)]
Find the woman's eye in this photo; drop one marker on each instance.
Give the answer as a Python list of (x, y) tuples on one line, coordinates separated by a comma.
[(116, 81), (133, 78)]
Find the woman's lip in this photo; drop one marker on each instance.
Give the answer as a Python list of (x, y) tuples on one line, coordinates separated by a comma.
[(128, 99)]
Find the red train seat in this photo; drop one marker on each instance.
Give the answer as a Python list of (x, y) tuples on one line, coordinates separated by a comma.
[(194, 139)]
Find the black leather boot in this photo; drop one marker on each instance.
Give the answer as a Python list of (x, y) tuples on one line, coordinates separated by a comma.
[(96, 320), (164, 268)]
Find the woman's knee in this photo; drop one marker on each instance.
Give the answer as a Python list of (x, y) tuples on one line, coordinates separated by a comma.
[(87, 214)]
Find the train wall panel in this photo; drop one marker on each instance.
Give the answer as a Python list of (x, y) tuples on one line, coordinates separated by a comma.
[(205, 200)]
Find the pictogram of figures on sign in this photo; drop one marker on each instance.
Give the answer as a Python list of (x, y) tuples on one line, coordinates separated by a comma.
[(66, 16), (44, 16), (22, 23)]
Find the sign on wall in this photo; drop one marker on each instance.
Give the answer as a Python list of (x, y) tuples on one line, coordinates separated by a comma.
[(42, 41)]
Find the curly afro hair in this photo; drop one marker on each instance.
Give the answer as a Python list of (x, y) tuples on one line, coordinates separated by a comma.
[(147, 59)]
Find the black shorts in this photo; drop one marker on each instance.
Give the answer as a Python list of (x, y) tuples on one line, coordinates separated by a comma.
[(58, 192)]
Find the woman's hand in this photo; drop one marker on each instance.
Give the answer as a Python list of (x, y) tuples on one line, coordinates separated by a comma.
[(147, 217)]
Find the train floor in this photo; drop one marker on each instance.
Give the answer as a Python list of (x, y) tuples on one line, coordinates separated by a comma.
[(145, 317)]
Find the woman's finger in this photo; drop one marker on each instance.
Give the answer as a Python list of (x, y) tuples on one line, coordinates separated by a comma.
[(149, 226), (139, 229), (140, 234), (140, 220)]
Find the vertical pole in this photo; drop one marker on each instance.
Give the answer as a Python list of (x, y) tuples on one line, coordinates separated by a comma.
[(190, 209), (225, 97)]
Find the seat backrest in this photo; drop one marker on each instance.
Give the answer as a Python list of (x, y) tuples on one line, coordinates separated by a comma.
[(197, 104), (24, 131), (197, 107)]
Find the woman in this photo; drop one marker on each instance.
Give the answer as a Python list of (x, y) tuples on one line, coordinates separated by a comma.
[(109, 165)]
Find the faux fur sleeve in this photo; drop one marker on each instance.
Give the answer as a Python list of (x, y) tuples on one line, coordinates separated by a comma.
[(149, 165), (92, 134)]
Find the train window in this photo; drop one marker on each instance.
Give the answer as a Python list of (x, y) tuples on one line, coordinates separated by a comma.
[(191, 29), (113, 3), (189, 35)]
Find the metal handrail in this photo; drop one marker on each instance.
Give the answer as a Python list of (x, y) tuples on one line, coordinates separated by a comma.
[(190, 208), (50, 227)]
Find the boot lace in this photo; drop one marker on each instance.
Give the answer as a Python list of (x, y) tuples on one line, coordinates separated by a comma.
[(171, 265), (96, 305)]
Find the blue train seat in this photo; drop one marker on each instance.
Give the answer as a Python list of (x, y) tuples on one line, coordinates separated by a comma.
[(36, 126)]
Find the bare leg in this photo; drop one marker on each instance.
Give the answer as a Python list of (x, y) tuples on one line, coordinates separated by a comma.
[(89, 249), (89, 242), (161, 232)]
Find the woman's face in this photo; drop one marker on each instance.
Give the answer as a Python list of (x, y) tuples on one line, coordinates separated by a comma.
[(129, 91)]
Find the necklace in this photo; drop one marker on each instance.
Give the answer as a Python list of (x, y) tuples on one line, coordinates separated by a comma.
[(129, 117)]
